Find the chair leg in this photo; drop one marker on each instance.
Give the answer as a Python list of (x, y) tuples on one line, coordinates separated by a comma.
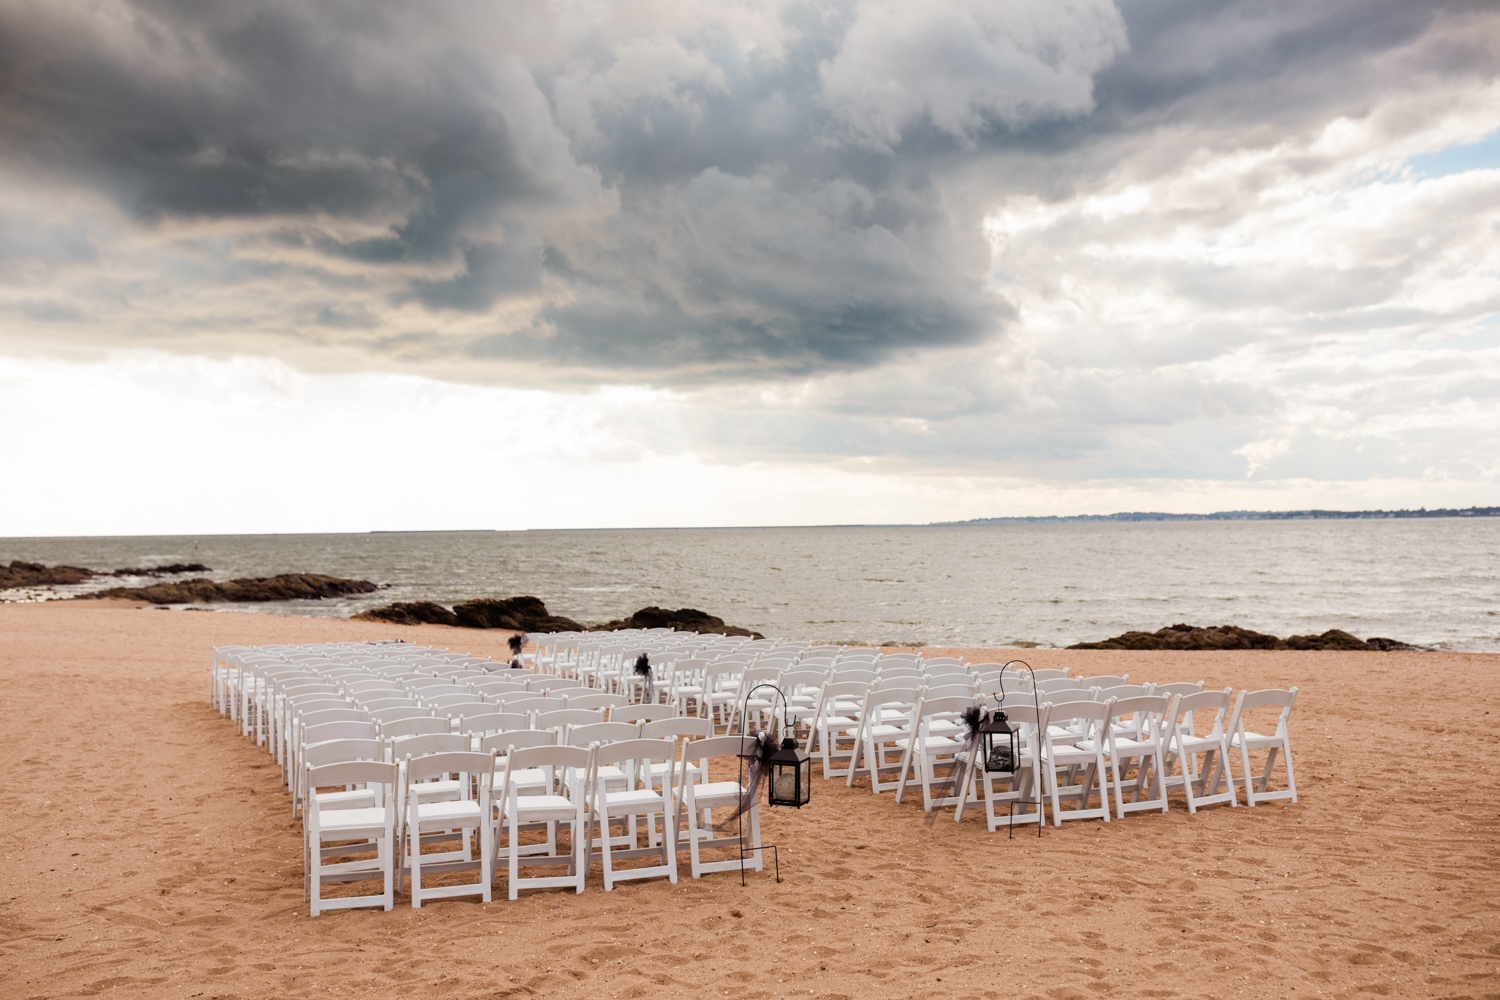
[(1291, 781)]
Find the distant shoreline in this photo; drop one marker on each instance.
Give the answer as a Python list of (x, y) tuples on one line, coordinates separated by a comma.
[(1240, 515)]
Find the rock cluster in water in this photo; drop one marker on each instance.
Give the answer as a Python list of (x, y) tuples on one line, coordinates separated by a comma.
[(1194, 637), (529, 614), (284, 587), (29, 574), (681, 620)]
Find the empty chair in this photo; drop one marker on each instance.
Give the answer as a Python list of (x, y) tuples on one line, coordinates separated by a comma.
[(1083, 768), (924, 750), (834, 725), (1139, 746), (633, 796), (1279, 741), (357, 826), (697, 800), (564, 803), (1058, 684), (1201, 782), (463, 819), (1104, 681), (1014, 797), (884, 719)]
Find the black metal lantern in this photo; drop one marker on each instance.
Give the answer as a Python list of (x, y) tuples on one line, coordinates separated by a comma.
[(1002, 745), (791, 776)]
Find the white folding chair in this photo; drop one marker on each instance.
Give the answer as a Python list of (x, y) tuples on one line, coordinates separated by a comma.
[(360, 826), (1082, 768), (624, 805), (1201, 783), (1277, 742), (564, 801), (925, 750), (1137, 745), (834, 726), (464, 819), (1021, 797), (697, 800), (883, 721)]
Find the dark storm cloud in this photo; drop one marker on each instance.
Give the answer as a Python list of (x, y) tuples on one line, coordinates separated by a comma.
[(793, 192)]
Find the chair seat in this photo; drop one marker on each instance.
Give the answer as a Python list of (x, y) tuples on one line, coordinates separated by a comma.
[(884, 730), (639, 798), (360, 798), (935, 744), (350, 821), (717, 793), (836, 722), (428, 791), (540, 808), (455, 813)]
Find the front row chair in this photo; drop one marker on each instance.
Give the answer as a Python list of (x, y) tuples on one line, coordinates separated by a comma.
[(376, 823)]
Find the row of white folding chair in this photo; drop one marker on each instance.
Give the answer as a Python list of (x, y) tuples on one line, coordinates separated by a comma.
[(466, 819)]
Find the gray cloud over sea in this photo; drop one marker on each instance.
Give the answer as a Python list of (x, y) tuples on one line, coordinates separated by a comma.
[(1068, 240)]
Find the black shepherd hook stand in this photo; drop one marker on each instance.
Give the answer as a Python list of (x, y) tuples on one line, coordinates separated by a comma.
[(1037, 701), (744, 722)]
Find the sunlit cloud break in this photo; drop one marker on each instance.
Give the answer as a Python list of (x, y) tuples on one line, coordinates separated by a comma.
[(784, 262)]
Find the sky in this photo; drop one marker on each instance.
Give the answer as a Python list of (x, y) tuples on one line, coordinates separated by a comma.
[(276, 266)]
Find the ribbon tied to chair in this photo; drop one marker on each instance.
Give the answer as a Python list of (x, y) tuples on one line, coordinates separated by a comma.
[(643, 670), (760, 764), (963, 760)]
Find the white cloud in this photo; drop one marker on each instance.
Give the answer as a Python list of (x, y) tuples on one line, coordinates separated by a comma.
[(964, 63)]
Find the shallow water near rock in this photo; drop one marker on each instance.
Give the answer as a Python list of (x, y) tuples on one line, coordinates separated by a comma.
[(1433, 581)]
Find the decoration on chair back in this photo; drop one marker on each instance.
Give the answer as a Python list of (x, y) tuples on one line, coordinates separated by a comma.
[(791, 776), (1002, 748), (760, 755), (644, 671), (517, 643), (963, 759)]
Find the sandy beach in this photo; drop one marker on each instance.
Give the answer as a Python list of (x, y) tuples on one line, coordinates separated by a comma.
[(150, 851)]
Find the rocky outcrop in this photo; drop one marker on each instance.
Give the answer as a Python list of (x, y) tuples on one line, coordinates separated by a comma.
[(413, 613), (1193, 637), (25, 574), (285, 587), (29, 574), (529, 614), (521, 614), (174, 569), (681, 620)]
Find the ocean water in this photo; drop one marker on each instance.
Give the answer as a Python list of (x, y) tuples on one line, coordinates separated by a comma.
[(1429, 581)]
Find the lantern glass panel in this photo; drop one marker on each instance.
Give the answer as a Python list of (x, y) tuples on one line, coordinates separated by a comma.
[(791, 776), (1002, 745)]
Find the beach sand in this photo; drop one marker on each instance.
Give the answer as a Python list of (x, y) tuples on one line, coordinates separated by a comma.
[(150, 851)]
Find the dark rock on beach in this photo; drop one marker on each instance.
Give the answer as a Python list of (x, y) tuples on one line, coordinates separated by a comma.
[(522, 614), (681, 620), (1193, 637), (28, 574), (285, 587), (529, 614), (413, 613), (519, 614), (25, 574)]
